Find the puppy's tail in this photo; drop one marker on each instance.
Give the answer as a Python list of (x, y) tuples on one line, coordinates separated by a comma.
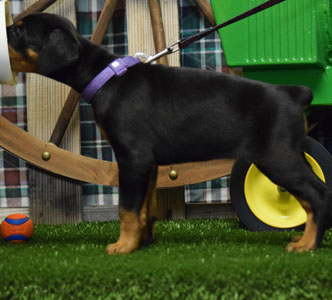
[(300, 94)]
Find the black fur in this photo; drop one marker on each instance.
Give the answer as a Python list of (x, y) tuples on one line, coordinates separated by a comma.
[(157, 115)]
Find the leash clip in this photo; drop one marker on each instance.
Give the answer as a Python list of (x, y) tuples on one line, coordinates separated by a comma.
[(143, 57), (169, 50)]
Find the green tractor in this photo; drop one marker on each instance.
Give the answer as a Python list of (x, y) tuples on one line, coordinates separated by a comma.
[(290, 43)]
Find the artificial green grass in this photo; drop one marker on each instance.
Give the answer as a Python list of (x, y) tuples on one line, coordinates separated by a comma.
[(191, 259)]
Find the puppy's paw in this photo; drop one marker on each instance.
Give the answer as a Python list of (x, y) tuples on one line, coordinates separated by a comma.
[(121, 248), (300, 247)]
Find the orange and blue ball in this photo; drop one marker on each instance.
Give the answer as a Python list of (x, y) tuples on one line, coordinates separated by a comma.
[(17, 228)]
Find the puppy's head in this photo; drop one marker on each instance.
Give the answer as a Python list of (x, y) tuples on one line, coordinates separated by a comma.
[(42, 43)]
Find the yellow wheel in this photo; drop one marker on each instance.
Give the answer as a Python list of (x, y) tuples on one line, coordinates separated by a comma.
[(262, 205)]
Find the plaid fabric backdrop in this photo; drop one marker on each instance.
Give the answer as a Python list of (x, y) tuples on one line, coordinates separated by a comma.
[(206, 54), (13, 171)]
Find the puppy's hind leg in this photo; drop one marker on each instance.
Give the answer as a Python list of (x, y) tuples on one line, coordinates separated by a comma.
[(308, 240), (295, 175), (318, 219), (133, 186)]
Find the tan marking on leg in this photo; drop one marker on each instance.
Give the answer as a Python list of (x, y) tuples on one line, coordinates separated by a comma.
[(130, 234), (148, 210), (20, 64), (308, 240)]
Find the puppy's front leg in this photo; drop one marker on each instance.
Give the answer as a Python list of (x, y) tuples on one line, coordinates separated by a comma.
[(148, 214), (133, 184), (130, 234)]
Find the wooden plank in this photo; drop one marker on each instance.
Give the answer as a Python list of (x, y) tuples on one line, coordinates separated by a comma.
[(198, 172), (54, 199), (49, 194), (209, 211), (171, 204), (192, 211), (102, 213)]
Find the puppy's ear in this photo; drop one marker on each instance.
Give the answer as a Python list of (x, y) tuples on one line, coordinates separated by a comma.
[(59, 51)]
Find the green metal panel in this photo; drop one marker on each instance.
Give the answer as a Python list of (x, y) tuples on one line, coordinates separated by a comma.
[(290, 43), (293, 32)]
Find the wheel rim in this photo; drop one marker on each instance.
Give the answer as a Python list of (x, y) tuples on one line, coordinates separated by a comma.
[(272, 204)]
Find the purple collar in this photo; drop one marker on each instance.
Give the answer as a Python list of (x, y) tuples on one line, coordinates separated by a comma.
[(117, 67)]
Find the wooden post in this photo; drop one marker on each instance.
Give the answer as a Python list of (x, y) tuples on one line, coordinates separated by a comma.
[(53, 199), (157, 29), (151, 27), (206, 9)]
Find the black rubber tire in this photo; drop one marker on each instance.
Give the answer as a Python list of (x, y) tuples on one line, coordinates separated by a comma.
[(239, 172)]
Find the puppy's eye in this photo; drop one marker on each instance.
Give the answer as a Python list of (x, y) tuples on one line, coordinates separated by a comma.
[(16, 31)]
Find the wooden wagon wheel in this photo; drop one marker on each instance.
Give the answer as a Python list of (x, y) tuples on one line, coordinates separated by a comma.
[(50, 157)]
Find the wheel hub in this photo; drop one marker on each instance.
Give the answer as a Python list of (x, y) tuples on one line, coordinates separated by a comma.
[(281, 190)]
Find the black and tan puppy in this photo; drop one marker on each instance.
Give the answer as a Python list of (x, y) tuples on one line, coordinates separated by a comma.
[(156, 115)]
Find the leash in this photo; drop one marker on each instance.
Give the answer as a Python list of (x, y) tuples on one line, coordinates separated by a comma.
[(119, 66), (187, 41)]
